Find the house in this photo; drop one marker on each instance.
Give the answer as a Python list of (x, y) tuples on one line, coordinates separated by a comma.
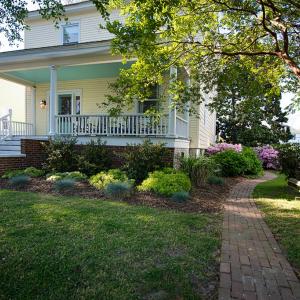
[(67, 71), (12, 96)]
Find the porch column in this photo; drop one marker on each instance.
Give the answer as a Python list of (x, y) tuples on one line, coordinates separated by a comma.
[(52, 99), (33, 109), (172, 111), (187, 110)]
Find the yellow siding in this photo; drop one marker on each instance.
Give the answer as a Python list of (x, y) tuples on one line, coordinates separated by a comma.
[(43, 33), (12, 97)]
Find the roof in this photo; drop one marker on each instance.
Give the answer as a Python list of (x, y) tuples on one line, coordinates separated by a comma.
[(69, 8)]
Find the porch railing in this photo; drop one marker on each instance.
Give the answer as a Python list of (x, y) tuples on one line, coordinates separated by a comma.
[(124, 125), (9, 128), (182, 127)]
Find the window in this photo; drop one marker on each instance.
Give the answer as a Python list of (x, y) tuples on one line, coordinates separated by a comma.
[(151, 102), (70, 33)]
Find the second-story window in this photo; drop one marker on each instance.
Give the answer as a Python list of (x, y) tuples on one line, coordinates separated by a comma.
[(70, 33)]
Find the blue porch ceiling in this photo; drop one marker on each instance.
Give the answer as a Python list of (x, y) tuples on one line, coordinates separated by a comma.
[(79, 72)]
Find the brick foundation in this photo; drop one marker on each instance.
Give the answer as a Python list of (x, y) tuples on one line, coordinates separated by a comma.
[(35, 156)]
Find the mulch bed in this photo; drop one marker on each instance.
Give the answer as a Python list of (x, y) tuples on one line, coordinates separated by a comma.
[(209, 198)]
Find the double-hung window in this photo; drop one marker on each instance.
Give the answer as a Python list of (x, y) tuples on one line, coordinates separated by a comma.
[(151, 102), (70, 33)]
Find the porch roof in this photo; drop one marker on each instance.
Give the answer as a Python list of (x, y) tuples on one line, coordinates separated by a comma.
[(75, 62)]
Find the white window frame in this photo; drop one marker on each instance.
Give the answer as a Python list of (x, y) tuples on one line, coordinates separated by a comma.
[(147, 100), (70, 23)]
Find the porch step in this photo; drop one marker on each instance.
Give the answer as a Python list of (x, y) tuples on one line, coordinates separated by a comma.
[(11, 148)]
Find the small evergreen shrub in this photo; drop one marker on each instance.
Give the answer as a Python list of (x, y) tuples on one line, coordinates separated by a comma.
[(64, 184), (180, 197), (289, 159), (76, 176), (61, 155), (198, 168), (166, 184), (94, 158), (253, 165), (118, 190), (19, 181), (30, 171), (145, 158), (231, 163), (102, 179), (215, 180)]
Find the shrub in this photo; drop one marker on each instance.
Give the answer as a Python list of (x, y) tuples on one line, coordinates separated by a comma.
[(215, 180), (268, 156), (118, 190), (166, 184), (145, 158), (76, 176), (94, 158), (253, 165), (102, 179), (61, 154), (19, 181), (64, 184), (223, 147), (180, 197), (289, 159), (30, 171), (231, 163), (198, 168)]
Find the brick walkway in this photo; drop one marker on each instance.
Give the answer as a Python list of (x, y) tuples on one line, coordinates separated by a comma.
[(252, 264)]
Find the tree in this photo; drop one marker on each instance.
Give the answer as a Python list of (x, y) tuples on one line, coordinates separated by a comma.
[(248, 107), (192, 33)]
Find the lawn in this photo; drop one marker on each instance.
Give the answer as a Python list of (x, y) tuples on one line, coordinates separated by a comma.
[(281, 206), (69, 248)]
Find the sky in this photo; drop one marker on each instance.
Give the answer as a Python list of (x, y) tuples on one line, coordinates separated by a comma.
[(294, 119)]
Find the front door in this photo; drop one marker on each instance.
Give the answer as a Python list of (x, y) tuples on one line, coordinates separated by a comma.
[(65, 104), (65, 124)]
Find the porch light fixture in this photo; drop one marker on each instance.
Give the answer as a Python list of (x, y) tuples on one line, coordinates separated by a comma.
[(43, 104)]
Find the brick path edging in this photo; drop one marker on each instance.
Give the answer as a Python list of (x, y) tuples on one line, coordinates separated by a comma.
[(252, 265)]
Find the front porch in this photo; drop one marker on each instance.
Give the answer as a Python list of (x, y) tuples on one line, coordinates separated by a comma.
[(64, 93)]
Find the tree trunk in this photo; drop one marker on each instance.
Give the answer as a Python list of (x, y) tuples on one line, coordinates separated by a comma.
[(291, 64)]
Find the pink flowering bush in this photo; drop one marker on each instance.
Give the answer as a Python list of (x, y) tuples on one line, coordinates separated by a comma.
[(223, 147), (268, 156)]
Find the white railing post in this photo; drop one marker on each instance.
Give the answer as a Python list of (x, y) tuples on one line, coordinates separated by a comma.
[(187, 110), (52, 99), (10, 122), (172, 110)]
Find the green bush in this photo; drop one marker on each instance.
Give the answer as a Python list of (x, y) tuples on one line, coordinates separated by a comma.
[(215, 180), (64, 184), (102, 179), (118, 190), (289, 159), (198, 168), (61, 155), (95, 157), (180, 197), (231, 163), (166, 184), (76, 176), (30, 171), (19, 181), (145, 158), (252, 164)]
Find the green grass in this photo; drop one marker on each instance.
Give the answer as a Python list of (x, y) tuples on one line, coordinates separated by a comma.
[(70, 248), (281, 206)]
